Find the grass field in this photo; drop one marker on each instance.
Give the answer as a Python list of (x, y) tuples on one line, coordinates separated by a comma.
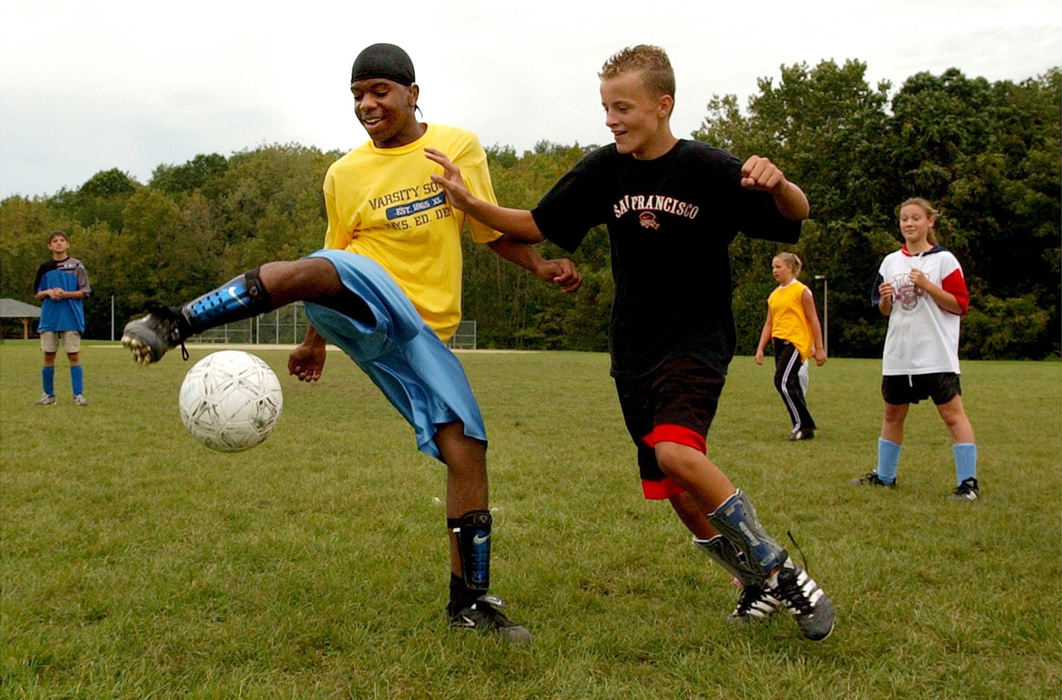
[(136, 563)]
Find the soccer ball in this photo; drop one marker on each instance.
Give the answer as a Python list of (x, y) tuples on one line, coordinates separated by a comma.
[(230, 400)]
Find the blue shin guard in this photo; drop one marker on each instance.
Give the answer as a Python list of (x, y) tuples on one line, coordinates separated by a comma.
[(240, 298), (736, 520), (727, 555)]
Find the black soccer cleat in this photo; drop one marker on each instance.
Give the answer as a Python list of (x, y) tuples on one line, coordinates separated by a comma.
[(872, 479), (149, 338), (483, 616), (805, 600), (966, 491), (756, 603)]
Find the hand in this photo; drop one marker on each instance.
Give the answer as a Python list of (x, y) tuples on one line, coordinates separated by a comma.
[(820, 356), (887, 291), (306, 361), (450, 180), (919, 278), (759, 173), (759, 356), (561, 272)]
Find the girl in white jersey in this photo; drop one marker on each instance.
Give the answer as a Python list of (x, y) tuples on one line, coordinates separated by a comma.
[(922, 291)]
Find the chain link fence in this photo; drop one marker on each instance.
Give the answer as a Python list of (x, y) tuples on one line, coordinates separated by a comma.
[(287, 326)]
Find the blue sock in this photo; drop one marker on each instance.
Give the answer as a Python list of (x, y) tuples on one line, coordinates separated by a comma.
[(888, 459), (965, 460), (48, 379), (77, 380)]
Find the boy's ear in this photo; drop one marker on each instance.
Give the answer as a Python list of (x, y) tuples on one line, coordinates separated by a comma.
[(664, 105)]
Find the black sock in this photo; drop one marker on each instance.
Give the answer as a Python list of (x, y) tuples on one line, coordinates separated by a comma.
[(460, 595)]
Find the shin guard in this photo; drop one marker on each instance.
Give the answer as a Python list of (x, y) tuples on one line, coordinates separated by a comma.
[(727, 555), (240, 298), (736, 520), (473, 545)]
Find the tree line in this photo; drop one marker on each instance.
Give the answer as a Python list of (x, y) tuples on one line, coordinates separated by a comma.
[(986, 153)]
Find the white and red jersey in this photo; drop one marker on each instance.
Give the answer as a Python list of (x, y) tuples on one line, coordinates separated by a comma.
[(923, 338)]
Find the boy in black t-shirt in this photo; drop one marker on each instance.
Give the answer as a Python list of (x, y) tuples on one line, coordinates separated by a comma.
[(672, 208)]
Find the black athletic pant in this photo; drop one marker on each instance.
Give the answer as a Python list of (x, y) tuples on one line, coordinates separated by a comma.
[(787, 364)]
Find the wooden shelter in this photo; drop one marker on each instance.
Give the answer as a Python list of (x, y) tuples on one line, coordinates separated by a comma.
[(12, 308)]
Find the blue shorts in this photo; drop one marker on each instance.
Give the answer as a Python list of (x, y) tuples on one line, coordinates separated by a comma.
[(417, 373)]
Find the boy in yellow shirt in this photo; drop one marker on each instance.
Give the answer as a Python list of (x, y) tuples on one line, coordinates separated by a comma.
[(386, 289)]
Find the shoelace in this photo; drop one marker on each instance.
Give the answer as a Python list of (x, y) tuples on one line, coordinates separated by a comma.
[(166, 312)]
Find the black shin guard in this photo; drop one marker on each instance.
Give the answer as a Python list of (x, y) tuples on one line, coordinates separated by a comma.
[(473, 545), (240, 298)]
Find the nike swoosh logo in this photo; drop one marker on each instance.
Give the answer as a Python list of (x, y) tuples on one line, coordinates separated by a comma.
[(480, 539), (232, 293)]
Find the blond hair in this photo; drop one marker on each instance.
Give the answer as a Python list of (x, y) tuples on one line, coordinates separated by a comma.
[(792, 260), (931, 213), (657, 74)]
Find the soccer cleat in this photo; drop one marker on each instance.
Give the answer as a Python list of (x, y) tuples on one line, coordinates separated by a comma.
[(483, 616), (46, 400), (872, 479), (966, 491), (801, 435), (756, 603), (149, 338), (803, 598), (80, 400)]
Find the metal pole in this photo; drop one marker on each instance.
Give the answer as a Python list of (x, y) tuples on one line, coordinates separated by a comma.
[(825, 312)]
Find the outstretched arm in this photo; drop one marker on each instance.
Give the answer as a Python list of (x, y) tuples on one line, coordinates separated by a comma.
[(515, 223), (759, 173), (560, 272)]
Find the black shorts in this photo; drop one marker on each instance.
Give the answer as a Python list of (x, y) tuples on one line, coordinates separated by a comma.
[(901, 389), (675, 403)]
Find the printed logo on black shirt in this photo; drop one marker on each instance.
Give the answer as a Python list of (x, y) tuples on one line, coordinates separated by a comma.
[(654, 202)]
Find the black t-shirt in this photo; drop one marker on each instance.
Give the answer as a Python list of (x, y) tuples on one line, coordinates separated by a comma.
[(670, 222)]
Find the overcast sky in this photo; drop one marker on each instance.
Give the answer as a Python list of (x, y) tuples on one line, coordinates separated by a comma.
[(89, 85)]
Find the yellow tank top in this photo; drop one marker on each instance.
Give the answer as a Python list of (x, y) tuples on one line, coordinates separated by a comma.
[(788, 320)]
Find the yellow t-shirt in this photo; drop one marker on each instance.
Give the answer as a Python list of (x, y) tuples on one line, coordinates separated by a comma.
[(382, 204), (788, 320)]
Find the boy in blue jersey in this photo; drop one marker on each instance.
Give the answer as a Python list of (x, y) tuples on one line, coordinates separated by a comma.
[(61, 284)]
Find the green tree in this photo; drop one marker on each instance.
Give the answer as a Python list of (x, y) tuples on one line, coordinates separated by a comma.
[(24, 227), (101, 198), (823, 127), (273, 206), (203, 173)]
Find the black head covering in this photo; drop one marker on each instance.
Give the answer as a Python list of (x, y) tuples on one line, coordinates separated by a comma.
[(383, 61)]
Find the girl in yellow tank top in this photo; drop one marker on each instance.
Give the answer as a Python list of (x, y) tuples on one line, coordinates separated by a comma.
[(793, 326)]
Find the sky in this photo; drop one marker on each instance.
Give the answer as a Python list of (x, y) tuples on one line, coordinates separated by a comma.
[(90, 85)]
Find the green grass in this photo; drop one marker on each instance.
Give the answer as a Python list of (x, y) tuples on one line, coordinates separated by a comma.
[(136, 563)]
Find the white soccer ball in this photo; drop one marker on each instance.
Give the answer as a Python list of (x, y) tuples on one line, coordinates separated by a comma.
[(230, 400)]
